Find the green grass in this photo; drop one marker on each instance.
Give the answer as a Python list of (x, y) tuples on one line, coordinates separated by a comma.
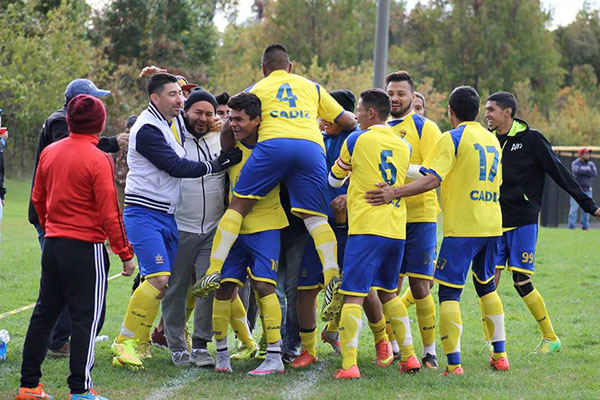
[(568, 278)]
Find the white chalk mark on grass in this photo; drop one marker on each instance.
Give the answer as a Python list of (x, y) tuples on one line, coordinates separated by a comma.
[(303, 387), (172, 386)]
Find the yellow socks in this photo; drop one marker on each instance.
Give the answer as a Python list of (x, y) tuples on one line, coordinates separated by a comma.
[(378, 329), (486, 333), (398, 315), (141, 313), (226, 234), (272, 317), (190, 303), (220, 318), (326, 245), (451, 330), (494, 319), (408, 298), (239, 322), (332, 326), (536, 305), (426, 320), (309, 341), (350, 324)]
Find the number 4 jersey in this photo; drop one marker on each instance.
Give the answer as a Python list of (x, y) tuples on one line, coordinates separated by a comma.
[(290, 105), (374, 155), (468, 161)]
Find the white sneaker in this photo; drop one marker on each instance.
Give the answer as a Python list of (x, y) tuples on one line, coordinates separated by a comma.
[(223, 364), (202, 358), (272, 365)]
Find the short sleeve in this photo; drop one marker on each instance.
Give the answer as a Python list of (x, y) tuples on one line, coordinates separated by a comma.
[(329, 109), (441, 158)]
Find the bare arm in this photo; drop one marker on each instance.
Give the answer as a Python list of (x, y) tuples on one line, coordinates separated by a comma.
[(385, 193), (347, 121)]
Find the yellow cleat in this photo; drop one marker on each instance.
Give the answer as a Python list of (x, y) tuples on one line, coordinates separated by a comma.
[(245, 352), (206, 284), (125, 354)]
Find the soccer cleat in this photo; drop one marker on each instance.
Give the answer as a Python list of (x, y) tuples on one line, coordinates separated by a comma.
[(245, 352), (159, 339), (271, 365), (223, 364), (430, 361), (181, 358), (144, 350), (351, 373), (385, 355), (411, 365), (33, 393), (89, 395), (547, 346), (206, 284), (261, 354), (500, 364), (125, 354), (333, 301), (304, 360), (455, 371), (333, 338), (202, 358)]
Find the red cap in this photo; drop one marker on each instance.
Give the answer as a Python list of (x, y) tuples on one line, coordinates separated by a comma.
[(584, 150), (86, 114)]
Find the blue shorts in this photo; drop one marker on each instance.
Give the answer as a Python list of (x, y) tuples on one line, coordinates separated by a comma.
[(299, 164), (517, 249), (372, 262), (311, 270), (456, 255), (153, 235), (420, 251), (254, 254)]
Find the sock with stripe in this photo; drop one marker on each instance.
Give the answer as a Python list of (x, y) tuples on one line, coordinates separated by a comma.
[(408, 298), (451, 330), (326, 245), (141, 313), (271, 310), (225, 236), (190, 303), (398, 315), (239, 322), (378, 329), (350, 324), (391, 337), (486, 332), (308, 338), (220, 318), (426, 319), (537, 307), (494, 319)]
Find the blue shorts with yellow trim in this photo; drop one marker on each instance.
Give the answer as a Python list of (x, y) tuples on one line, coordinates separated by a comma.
[(420, 251), (517, 249), (254, 254), (311, 270), (456, 255), (298, 163), (153, 235), (371, 262)]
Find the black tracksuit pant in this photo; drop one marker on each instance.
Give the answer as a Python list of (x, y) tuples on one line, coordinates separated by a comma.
[(73, 275)]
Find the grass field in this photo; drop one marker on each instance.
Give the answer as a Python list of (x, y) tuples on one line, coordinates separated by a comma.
[(568, 276)]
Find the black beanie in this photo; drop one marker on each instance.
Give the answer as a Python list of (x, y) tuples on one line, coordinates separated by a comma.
[(200, 95), (345, 98)]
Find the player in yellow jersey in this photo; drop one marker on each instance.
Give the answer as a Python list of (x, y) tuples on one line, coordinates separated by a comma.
[(421, 211), (466, 161), (254, 253), (290, 150), (376, 234)]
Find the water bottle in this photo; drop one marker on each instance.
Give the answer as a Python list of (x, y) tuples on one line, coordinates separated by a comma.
[(4, 339)]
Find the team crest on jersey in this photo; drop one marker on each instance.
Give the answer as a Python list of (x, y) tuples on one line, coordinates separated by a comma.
[(159, 259), (402, 133)]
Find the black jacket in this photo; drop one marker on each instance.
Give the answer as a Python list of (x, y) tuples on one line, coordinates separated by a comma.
[(526, 159), (54, 129)]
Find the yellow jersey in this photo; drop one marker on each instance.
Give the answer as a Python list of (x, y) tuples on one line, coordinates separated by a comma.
[(468, 161), (422, 134), (267, 213), (373, 155), (290, 105)]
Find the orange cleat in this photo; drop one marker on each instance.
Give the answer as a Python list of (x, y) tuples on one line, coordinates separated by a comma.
[(411, 365), (351, 373), (456, 371), (500, 364), (32, 393), (304, 360), (385, 354)]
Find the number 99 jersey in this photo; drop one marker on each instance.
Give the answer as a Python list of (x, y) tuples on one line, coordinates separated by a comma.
[(373, 155), (468, 162)]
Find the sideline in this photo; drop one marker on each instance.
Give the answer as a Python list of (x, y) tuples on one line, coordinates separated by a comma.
[(27, 307)]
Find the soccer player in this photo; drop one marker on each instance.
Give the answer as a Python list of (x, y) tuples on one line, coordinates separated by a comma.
[(223, 108), (421, 211), (527, 158), (156, 166), (290, 150), (256, 250), (419, 104), (466, 161), (376, 235)]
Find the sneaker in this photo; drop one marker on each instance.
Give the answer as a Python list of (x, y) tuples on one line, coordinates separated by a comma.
[(245, 352), (272, 365), (223, 364), (125, 354), (456, 371), (202, 358), (500, 364), (333, 338), (547, 346), (158, 339), (304, 360), (62, 351), (181, 358), (144, 350), (206, 284), (411, 365), (351, 373), (32, 393), (430, 361), (333, 301), (89, 395), (385, 355), (261, 354)]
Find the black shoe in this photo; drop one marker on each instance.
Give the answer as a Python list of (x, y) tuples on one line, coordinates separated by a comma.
[(430, 361), (62, 351), (288, 358)]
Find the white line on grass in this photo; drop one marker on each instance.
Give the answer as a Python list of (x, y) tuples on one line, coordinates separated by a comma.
[(169, 388), (302, 389)]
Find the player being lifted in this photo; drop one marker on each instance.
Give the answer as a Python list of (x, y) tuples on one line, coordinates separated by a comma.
[(466, 161), (255, 252), (376, 235), (290, 150)]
